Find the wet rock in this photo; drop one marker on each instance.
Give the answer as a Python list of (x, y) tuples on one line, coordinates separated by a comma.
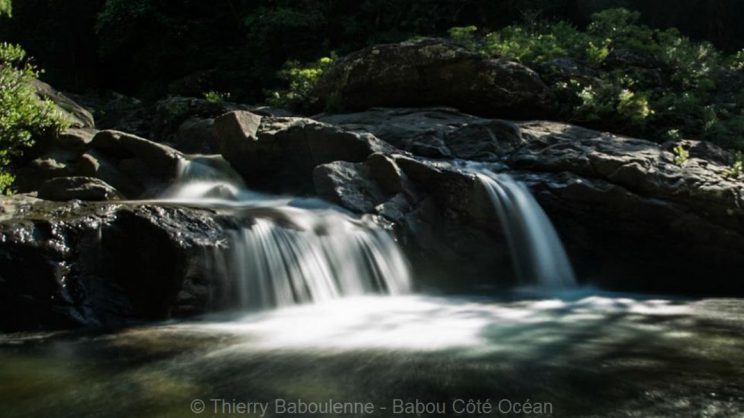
[(433, 72), (630, 217), (442, 215), (100, 264)]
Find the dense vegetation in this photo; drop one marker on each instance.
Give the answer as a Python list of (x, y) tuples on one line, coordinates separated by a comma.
[(617, 75), (150, 48), (23, 115), (626, 77)]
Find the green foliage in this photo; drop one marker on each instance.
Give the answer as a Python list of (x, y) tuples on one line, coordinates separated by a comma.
[(628, 77), (681, 155), (6, 8), (23, 116), (537, 43), (464, 35), (736, 169), (216, 97), (301, 79)]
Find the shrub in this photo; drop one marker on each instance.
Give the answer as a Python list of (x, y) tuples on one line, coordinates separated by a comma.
[(464, 35), (301, 79), (538, 43), (736, 169), (23, 115), (658, 82), (216, 97), (5, 8), (681, 155)]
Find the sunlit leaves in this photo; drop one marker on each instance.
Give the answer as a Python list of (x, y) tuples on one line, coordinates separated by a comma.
[(23, 116)]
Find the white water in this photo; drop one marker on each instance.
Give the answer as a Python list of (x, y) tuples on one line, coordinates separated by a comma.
[(425, 323), (291, 250), (537, 251)]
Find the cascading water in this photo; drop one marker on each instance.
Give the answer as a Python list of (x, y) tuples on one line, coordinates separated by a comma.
[(537, 251), (295, 250), (292, 250)]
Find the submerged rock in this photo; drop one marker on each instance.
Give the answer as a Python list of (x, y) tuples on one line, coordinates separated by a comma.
[(433, 72)]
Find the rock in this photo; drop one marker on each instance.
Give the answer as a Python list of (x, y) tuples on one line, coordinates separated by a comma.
[(434, 132), (52, 156), (76, 138), (630, 217), (130, 159), (171, 116), (433, 72), (54, 162), (642, 167), (133, 165), (196, 136), (89, 264), (82, 188), (95, 164), (78, 116), (176, 121), (442, 215), (348, 185), (279, 154)]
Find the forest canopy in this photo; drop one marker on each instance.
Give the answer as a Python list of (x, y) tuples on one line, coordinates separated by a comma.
[(151, 48)]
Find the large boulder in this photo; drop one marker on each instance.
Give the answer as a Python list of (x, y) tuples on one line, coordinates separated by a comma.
[(280, 153), (433, 72), (102, 264), (133, 165)]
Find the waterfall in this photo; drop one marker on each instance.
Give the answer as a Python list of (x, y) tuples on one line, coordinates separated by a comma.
[(537, 251), (279, 265), (290, 250)]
